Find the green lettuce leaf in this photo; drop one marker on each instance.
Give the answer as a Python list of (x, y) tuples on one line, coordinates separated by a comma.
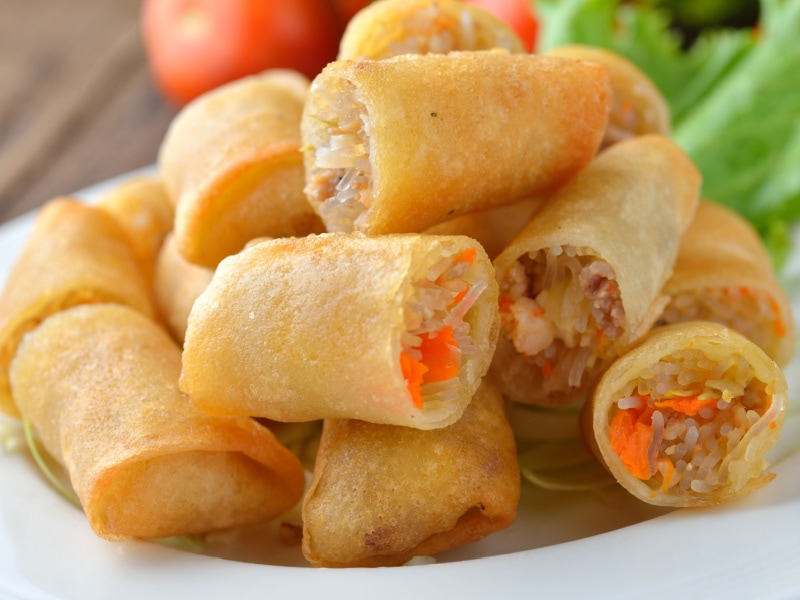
[(734, 97)]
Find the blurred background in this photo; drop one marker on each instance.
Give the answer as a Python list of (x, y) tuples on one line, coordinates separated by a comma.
[(79, 105)]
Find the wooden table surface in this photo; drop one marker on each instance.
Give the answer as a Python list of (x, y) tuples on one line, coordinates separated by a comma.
[(77, 103)]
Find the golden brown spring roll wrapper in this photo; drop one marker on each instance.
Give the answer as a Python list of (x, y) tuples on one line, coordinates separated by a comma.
[(144, 210), (724, 273), (402, 144), (722, 449), (381, 495), (99, 384), (623, 216), (310, 328), (177, 284), (493, 228), (390, 27), (75, 254), (231, 162), (638, 107)]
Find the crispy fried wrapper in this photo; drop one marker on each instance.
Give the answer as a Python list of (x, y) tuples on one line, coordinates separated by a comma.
[(177, 284), (687, 417), (582, 281), (232, 165), (638, 107), (381, 494), (725, 274), (99, 385), (75, 254), (395, 329), (145, 212), (388, 28), (402, 144)]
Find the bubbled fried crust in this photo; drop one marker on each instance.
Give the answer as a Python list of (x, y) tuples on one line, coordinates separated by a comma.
[(459, 484)]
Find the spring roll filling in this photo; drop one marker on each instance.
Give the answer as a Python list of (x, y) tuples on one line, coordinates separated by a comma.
[(562, 311), (340, 180), (753, 313), (437, 341), (428, 30), (685, 426)]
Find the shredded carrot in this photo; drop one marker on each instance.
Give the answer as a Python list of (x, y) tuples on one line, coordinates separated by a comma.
[(772, 424), (547, 368), (467, 256), (631, 434), (688, 406), (506, 303), (413, 373), (670, 471), (777, 325), (459, 296), (440, 355)]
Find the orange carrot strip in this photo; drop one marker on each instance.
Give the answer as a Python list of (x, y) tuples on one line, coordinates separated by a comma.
[(459, 297), (777, 324), (505, 303), (689, 406), (413, 373), (670, 471), (440, 355), (467, 256), (631, 434)]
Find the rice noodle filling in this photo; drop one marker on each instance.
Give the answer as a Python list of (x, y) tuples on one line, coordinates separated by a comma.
[(340, 180), (430, 31), (697, 414), (562, 311), (439, 301), (752, 313)]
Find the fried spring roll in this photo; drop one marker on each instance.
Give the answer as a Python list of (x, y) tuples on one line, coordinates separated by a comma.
[(638, 107), (381, 495), (99, 385), (391, 27), (724, 274), (144, 210), (177, 284), (231, 162), (395, 329), (686, 417), (582, 281), (402, 144), (75, 254)]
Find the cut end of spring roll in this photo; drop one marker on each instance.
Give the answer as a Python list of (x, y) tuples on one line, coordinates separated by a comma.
[(99, 385), (381, 495), (573, 293), (75, 254), (395, 329), (402, 144), (686, 417), (392, 27)]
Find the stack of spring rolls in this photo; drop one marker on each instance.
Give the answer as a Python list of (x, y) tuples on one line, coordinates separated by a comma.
[(435, 225)]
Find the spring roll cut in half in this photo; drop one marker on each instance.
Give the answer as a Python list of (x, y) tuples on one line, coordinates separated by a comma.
[(391, 27), (395, 329), (638, 106), (582, 281), (725, 274), (99, 385), (402, 144), (381, 495), (687, 417), (75, 254), (232, 165)]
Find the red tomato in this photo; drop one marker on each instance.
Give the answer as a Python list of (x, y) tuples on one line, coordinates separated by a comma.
[(517, 14), (196, 45)]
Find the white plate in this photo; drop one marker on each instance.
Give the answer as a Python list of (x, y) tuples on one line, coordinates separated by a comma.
[(602, 544)]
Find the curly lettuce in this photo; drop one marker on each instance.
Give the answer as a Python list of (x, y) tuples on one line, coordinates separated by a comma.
[(734, 97)]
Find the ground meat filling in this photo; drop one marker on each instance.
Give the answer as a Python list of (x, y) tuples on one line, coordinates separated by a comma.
[(752, 313), (437, 339), (682, 421), (562, 311), (339, 182)]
